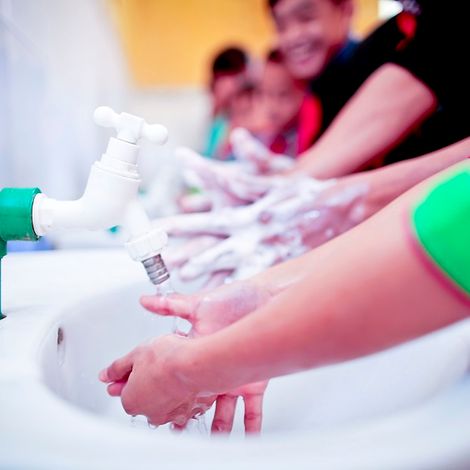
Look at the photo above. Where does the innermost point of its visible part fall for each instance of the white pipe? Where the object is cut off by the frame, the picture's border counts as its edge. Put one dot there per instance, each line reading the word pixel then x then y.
pixel 135 220
pixel 102 205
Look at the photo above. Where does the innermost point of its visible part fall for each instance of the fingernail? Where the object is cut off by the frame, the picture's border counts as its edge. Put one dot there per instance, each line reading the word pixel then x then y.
pixel 103 376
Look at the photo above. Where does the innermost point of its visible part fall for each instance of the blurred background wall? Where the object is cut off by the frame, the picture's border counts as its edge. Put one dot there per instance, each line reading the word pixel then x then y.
pixel 171 43
pixel 58 61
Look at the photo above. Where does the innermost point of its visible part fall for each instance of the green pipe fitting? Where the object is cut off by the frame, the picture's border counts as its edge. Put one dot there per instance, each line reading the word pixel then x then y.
pixel 16 220
pixel 16 214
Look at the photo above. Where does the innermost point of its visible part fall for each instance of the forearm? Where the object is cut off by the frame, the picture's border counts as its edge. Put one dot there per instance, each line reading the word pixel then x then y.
pixel 333 314
pixel 386 184
pixel 384 110
pixel 284 275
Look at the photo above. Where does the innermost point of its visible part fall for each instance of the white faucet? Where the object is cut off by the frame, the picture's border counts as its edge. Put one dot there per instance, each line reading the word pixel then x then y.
pixel 110 196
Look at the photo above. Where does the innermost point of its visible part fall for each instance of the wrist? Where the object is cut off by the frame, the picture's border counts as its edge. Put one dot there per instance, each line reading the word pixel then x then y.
pixel 210 366
pixel 375 193
pixel 194 368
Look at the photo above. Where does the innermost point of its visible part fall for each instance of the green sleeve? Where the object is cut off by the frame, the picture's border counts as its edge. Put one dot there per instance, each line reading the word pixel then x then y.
pixel 441 223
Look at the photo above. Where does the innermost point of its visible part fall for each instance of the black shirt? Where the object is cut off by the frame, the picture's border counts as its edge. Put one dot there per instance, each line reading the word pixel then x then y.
pixel 434 50
pixel 438 56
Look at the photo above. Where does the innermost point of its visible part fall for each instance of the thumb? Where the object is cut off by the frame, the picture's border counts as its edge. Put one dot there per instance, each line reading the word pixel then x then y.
pixel 246 147
pixel 119 370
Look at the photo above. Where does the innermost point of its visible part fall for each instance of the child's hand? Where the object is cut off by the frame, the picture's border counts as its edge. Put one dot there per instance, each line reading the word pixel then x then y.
pixel 147 381
pixel 256 155
pixel 229 183
pixel 210 312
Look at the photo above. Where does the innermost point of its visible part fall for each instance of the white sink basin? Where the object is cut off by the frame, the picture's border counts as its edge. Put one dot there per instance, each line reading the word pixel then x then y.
pixel 408 407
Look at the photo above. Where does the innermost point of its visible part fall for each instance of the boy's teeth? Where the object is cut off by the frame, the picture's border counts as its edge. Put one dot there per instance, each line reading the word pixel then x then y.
pixel 300 51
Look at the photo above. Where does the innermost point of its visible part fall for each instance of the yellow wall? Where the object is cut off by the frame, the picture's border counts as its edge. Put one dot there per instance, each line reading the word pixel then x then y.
pixel 171 42
pixel 367 12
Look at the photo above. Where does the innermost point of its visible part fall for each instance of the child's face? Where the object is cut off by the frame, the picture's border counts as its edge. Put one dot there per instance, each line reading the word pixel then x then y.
pixel 225 88
pixel 310 33
pixel 280 96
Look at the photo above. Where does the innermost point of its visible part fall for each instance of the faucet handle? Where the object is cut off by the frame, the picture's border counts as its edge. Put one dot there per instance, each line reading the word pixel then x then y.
pixel 130 128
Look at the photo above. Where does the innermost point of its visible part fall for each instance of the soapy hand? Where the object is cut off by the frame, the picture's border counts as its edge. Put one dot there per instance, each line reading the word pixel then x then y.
pixel 256 156
pixel 228 183
pixel 285 223
pixel 209 312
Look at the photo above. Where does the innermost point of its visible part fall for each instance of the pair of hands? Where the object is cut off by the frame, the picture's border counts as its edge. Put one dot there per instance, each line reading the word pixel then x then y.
pixel 156 379
pixel 240 242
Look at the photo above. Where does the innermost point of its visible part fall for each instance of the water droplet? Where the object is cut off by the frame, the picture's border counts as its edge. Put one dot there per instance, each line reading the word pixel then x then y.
pixel 201 424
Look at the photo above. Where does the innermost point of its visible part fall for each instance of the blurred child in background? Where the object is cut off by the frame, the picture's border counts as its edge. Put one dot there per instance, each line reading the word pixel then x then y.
pixel 279 101
pixel 230 88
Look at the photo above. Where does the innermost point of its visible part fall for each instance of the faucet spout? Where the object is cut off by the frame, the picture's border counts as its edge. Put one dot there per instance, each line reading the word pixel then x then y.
pixel 110 197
